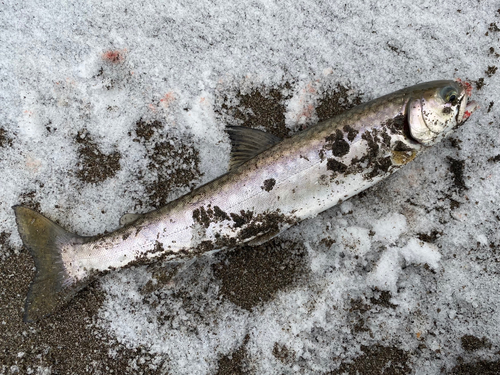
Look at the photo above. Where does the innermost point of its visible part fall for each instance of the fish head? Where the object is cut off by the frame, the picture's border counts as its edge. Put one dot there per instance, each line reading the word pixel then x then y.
pixel 436 108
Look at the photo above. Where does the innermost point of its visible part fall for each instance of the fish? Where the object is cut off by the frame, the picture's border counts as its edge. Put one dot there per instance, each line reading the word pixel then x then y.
pixel 272 184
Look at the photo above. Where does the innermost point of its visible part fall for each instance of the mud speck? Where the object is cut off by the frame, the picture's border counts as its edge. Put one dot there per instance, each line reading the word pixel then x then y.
pixel 233 364
pixel 282 353
pixel 472 343
pixel 479 83
pixel 384 299
pixel 173 162
pixel 491 70
pixel 377 359
pixel 67 342
pixel 268 184
pixel 430 237
pixel 336 102
pixel 253 275
pixel 263 107
pixel 482 367
pixel 490 106
pixel 493 27
pixel 94 166
pixel 30 200
pixel 457 170
pixel 494 159
pixel 4 139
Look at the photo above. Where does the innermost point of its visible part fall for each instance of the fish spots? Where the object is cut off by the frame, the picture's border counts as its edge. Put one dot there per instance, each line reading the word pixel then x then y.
pixel 447 110
pixel 336 166
pixel 219 214
pixel 94 166
pixel 268 184
pixel 267 224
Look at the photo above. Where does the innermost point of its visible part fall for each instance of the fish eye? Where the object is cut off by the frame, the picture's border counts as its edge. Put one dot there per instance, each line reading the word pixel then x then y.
pixel 449 94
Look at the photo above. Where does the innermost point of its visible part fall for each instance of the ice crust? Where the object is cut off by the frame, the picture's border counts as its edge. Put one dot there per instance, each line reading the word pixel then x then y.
pixel 433 245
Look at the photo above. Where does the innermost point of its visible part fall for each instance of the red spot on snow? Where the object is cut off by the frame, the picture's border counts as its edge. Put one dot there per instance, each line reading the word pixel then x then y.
pixel 467 115
pixel 466 85
pixel 169 96
pixel 167 99
pixel 115 57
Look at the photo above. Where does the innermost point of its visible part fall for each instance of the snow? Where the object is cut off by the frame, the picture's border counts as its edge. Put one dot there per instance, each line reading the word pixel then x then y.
pixel 103 67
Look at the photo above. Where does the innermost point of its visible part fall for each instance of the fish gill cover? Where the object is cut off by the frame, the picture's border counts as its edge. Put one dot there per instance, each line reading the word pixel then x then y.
pixel 120 107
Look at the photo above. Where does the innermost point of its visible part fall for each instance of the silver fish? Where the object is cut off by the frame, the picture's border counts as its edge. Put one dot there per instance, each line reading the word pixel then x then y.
pixel 272 184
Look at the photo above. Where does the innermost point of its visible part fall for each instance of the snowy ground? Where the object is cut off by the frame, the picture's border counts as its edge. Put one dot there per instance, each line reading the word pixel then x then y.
pixel 108 109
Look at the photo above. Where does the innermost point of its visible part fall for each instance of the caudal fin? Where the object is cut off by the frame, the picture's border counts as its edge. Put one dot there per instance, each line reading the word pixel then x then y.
pixel 52 287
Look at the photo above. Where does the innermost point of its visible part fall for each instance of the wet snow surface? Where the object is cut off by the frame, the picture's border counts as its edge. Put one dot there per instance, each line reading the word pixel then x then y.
pixel 109 109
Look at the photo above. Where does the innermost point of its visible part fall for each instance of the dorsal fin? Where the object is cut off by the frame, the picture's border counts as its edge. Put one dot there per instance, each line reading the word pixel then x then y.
pixel 247 143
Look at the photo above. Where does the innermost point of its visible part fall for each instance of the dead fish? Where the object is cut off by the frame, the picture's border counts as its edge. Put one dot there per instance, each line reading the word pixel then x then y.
pixel 272 184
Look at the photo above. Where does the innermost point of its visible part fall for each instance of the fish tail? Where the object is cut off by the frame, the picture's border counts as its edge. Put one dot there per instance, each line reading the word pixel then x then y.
pixel 52 287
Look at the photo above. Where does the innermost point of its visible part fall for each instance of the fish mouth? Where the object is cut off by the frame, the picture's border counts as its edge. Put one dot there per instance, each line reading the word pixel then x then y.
pixel 467 108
